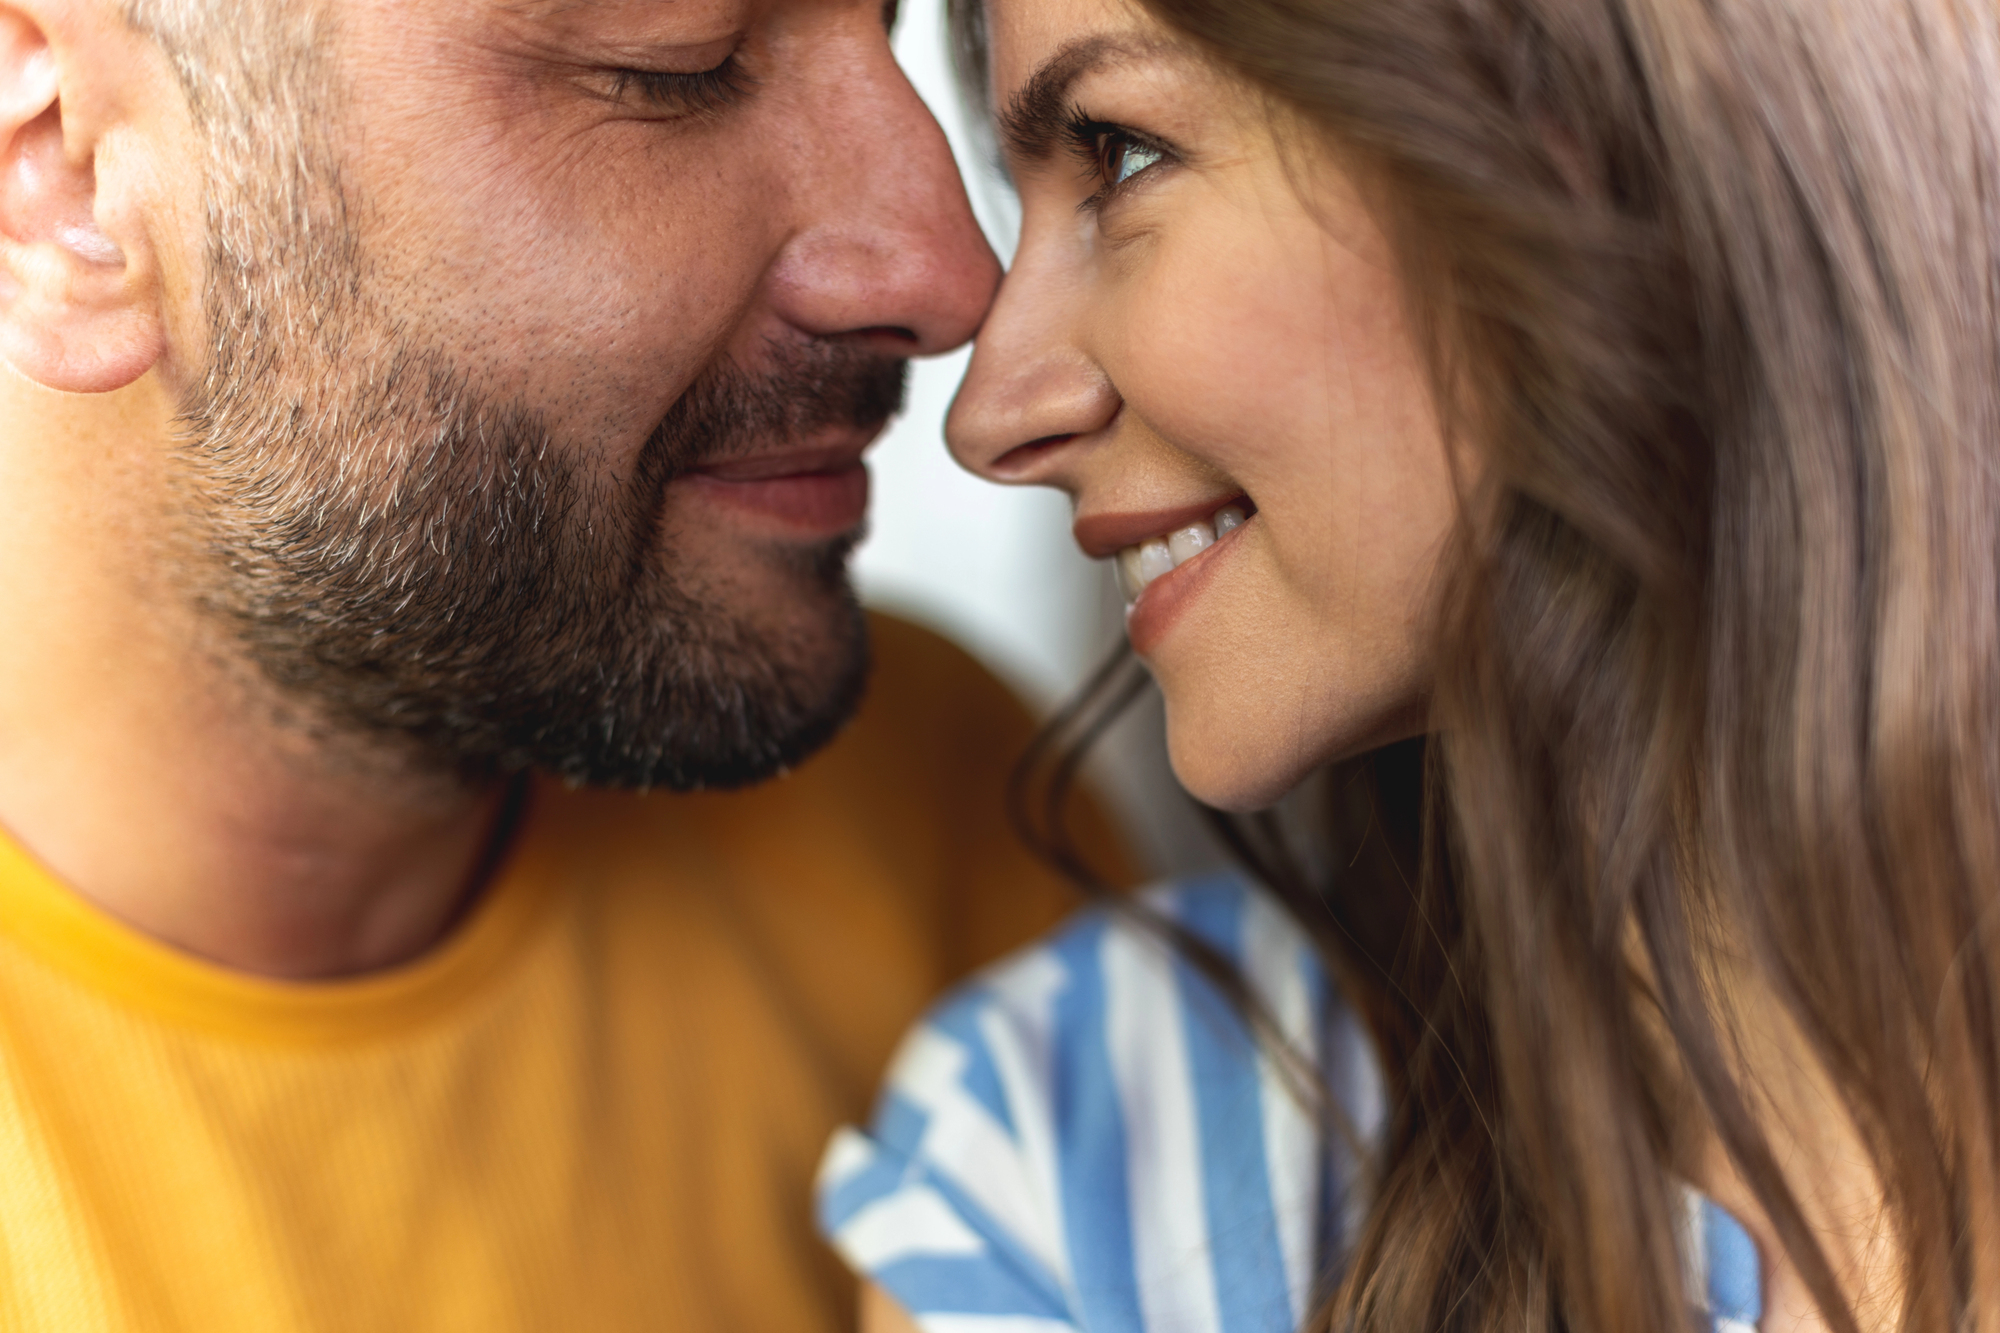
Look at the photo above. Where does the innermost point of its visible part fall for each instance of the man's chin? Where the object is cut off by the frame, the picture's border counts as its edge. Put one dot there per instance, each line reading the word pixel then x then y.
pixel 652 684
pixel 752 696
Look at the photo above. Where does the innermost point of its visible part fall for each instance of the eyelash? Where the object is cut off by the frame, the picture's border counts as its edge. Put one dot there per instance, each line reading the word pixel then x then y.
pixel 1104 149
pixel 701 93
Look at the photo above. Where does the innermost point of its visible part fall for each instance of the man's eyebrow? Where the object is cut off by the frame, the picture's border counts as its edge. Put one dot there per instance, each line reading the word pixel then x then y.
pixel 1036 116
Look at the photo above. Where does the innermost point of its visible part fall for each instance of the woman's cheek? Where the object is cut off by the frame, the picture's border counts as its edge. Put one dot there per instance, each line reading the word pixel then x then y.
pixel 1173 359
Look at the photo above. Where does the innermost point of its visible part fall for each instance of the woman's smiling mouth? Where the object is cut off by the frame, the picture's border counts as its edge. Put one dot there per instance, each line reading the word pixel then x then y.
pixel 1159 557
pixel 1143 562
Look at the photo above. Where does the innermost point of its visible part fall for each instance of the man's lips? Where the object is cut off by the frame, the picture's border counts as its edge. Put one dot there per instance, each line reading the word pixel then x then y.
pixel 803 461
pixel 818 491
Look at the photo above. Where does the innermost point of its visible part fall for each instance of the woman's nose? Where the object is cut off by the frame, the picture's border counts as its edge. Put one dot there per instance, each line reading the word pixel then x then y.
pixel 1032 388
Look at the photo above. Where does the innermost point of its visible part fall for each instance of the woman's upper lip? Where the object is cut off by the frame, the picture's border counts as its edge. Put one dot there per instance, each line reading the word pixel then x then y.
pixel 1102 535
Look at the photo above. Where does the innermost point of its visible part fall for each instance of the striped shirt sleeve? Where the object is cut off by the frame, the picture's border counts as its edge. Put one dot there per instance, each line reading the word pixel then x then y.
pixel 1724 1271
pixel 1087 1137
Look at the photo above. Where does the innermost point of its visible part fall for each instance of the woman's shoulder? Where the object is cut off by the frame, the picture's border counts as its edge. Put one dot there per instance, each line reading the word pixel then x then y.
pixel 1088 1134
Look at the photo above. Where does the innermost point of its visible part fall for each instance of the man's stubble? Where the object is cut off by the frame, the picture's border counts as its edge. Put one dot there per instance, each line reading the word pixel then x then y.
pixel 414 561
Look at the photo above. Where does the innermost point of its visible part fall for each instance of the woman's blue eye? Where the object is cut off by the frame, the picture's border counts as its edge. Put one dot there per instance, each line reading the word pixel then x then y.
pixel 1111 155
pixel 1135 159
pixel 1119 158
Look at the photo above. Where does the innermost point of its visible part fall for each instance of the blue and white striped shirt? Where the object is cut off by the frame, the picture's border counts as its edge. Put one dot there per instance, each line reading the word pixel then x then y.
pixel 1086 1139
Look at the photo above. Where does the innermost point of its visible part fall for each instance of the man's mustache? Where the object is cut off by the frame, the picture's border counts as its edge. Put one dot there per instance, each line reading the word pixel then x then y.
pixel 805 388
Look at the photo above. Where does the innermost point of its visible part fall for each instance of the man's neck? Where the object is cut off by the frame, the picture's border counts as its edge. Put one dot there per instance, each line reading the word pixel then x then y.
pixel 155 774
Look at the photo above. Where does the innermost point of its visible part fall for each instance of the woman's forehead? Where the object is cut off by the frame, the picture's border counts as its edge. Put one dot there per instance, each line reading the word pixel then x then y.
pixel 1027 35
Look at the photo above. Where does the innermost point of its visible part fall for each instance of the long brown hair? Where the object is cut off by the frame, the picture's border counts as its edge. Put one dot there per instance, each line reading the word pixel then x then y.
pixel 1712 290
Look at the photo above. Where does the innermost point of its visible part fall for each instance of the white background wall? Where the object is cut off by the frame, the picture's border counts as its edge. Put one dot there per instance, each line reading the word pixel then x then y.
pixel 992 567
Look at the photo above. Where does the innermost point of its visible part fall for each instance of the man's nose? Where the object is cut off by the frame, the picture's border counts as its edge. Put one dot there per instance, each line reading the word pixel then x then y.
pixel 886 243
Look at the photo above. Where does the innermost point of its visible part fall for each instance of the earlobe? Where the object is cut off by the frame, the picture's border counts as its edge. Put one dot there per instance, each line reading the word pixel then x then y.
pixel 77 311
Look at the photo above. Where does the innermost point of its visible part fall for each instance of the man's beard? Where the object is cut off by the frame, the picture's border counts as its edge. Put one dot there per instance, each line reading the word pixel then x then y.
pixel 413 562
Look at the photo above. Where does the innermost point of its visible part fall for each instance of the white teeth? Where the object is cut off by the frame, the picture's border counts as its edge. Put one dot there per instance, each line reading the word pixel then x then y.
pixel 1129 581
pixel 1190 541
pixel 1140 565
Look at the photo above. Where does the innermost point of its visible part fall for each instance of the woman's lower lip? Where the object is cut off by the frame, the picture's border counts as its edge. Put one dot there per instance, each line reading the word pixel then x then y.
pixel 823 504
pixel 1162 602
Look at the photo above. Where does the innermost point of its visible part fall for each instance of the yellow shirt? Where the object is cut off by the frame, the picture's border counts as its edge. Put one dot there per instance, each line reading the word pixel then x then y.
pixel 597 1106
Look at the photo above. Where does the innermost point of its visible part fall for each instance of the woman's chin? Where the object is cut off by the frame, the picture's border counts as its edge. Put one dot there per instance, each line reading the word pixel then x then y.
pixel 1235 765
pixel 1233 774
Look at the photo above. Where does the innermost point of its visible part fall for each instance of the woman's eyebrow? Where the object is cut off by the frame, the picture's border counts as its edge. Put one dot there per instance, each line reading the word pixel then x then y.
pixel 1036 116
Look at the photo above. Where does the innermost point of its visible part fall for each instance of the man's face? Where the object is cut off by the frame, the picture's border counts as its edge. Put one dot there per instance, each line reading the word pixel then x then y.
pixel 539 344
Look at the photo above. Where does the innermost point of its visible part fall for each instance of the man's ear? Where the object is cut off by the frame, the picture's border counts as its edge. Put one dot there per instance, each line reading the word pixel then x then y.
pixel 77 311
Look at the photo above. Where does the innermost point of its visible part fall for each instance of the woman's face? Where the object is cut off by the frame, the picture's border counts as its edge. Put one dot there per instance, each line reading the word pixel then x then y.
pixel 1203 321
